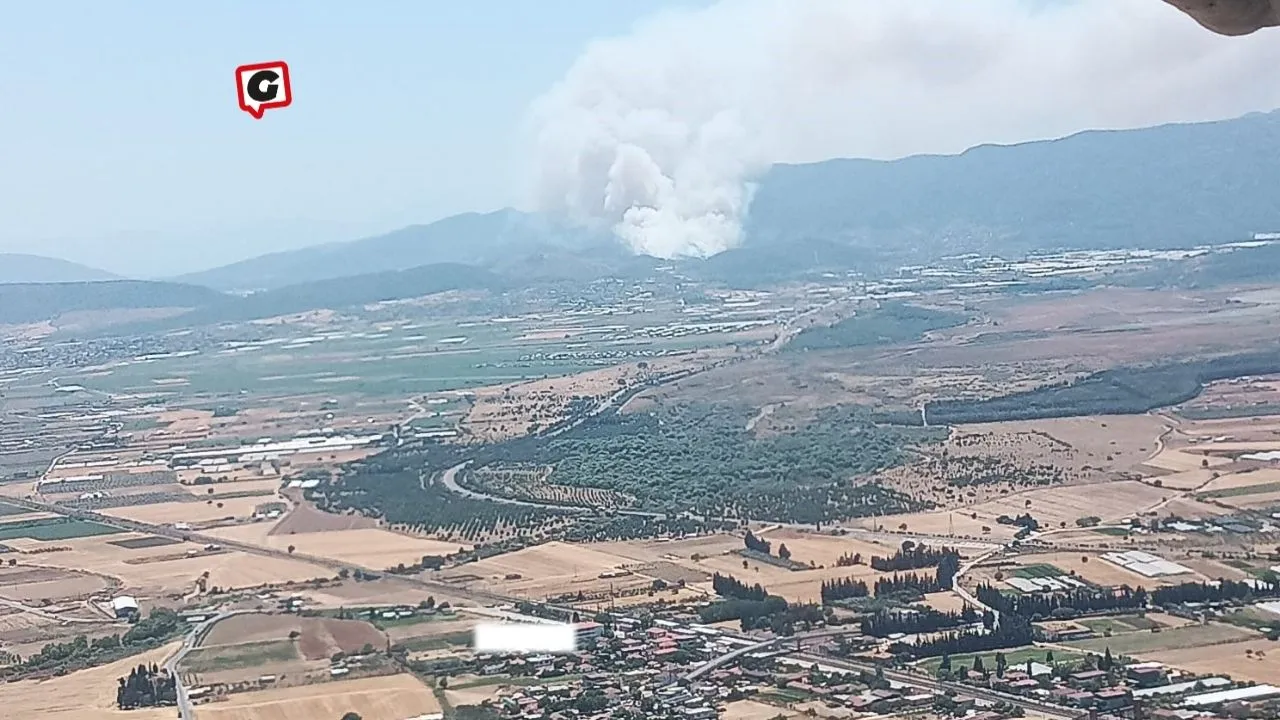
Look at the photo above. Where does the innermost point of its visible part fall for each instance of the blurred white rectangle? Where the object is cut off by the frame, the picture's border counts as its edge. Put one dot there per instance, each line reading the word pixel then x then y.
pixel 524 638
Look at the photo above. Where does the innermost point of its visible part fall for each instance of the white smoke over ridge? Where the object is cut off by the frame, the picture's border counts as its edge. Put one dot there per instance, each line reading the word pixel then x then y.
pixel 657 134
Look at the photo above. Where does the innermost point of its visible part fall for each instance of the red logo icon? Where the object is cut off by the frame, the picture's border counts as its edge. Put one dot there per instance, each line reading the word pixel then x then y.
pixel 263 86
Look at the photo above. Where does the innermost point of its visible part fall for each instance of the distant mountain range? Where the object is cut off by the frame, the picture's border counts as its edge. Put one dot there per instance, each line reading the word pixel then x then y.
pixel 1168 186
pixel 16 268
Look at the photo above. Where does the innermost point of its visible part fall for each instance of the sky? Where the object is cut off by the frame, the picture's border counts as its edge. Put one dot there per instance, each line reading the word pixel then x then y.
pixel 122 146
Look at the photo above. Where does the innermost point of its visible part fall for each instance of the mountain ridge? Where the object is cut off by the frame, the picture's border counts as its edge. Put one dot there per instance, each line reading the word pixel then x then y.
pixel 28 268
pixel 1170 185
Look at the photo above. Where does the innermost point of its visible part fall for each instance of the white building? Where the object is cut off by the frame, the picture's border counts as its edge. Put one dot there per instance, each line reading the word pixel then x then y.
pixel 124 606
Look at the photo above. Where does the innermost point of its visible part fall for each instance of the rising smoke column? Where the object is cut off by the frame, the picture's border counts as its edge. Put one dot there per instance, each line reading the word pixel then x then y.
pixel 658 134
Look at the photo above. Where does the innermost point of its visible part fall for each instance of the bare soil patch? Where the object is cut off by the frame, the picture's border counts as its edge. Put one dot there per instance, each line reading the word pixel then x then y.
pixel 754 710
pixel 391 697
pixel 142 575
pixel 306 518
pixel 319 637
pixel 188 512
pixel 1256 660
pixel 369 547
pixel 1053 507
pixel 825 550
pixel 139 543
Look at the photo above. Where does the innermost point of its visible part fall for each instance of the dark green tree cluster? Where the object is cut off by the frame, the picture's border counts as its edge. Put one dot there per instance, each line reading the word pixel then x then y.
pixel 912 557
pixel 911 621
pixel 847 560
pixel 1223 591
pixel 731 587
pixel 759 545
pixel 834 590
pixel 699 458
pixel 907 584
pixel 891 322
pixel 1013 631
pixel 1118 391
pixel 399 497
pixel 146 687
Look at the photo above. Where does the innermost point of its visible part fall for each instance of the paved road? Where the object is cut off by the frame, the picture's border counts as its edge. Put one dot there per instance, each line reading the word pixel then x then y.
pixel 190 642
pixel 449 478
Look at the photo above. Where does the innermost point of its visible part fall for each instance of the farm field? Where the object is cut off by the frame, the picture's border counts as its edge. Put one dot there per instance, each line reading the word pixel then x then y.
pixel 945 601
pixel 1182 480
pixel 549 569
pixel 306 518
pixel 83 695
pixel 191 512
pixel 755 710
pixel 390 697
pixel 386 590
pixel 1268 496
pixel 369 547
pixel 1052 506
pixel 319 637
pixel 1181 460
pixel 36 584
pixel 825 550
pixel 154 571
pixel 1257 660
pixel 1241 481
pixel 1178 638
pixel 53 528
pixel 1018 656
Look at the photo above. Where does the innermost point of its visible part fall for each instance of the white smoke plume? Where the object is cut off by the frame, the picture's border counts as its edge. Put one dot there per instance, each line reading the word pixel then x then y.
pixel 659 133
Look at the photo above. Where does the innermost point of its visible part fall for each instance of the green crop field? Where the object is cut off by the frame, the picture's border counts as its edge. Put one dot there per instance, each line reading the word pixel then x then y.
pixel 6 509
pixel 1168 639
pixel 1258 489
pixel 59 528
pixel 1122 624
pixel 1013 658
pixel 245 655
pixel 1038 570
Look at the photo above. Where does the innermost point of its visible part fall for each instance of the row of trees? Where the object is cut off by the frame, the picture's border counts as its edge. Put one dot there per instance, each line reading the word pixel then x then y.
pixel 907 584
pixel 912 557
pixel 731 587
pixel 1224 591
pixel 922 620
pixel 1013 631
pixel 834 590
pixel 1057 604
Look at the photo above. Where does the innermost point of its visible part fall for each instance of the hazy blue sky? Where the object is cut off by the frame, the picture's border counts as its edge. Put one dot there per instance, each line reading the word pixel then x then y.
pixel 121 144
